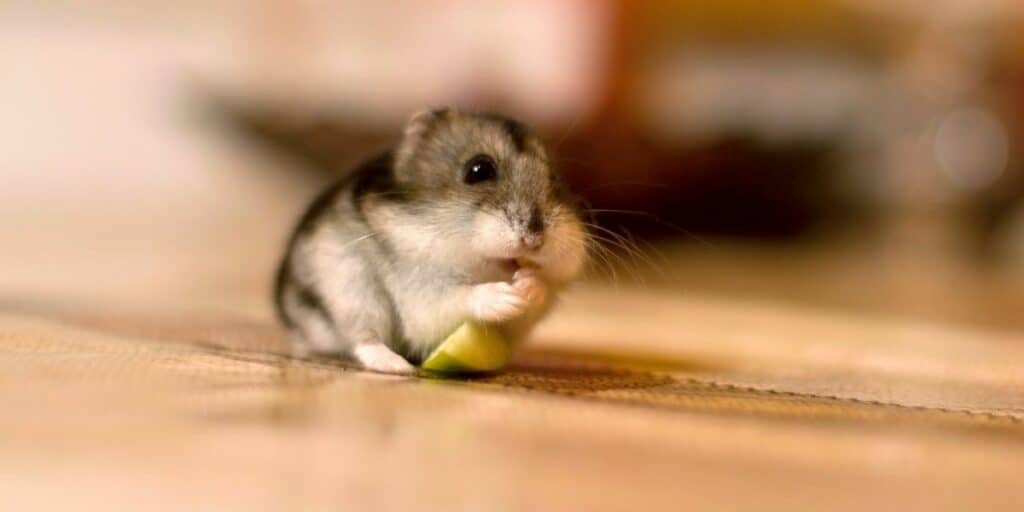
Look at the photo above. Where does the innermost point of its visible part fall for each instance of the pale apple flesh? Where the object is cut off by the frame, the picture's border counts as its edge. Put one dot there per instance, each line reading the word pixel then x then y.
pixel 473 348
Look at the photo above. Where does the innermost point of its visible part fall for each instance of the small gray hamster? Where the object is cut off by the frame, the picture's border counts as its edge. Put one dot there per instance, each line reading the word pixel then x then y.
pixel 465 218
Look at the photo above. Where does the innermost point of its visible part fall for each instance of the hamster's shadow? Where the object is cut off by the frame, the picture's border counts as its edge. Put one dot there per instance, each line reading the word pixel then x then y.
pixel 575 372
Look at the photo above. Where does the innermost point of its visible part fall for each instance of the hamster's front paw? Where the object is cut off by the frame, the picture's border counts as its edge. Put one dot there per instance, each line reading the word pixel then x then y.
pixel 497 302
pixel 379 358
pixel 527 280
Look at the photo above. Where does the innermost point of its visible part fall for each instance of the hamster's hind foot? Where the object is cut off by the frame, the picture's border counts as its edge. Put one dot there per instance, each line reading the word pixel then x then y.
pixel 379 358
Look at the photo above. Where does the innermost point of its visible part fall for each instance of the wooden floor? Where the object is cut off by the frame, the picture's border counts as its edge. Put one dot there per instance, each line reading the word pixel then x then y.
pixel 628 399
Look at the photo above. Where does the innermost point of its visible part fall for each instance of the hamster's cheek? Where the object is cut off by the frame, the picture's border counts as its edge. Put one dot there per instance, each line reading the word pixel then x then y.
pixel 491 237
pixel 565 251
pixel 412 238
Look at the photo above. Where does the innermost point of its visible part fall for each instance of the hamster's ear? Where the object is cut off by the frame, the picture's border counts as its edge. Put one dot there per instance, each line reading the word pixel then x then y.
pixel 418 128
pixel 424 121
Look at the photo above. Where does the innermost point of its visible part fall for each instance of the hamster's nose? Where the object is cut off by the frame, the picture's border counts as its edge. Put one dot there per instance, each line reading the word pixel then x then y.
pixel 528 224
pixel 533 234
pixel 531 241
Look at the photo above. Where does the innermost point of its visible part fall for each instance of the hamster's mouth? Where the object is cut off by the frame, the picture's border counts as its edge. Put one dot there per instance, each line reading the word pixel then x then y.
pixel 510 265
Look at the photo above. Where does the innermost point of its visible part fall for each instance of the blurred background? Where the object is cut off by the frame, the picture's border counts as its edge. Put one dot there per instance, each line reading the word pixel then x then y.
pixel 857 156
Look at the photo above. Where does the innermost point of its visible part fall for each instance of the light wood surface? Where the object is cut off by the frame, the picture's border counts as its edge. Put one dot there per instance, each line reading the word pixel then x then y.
pixel 627 399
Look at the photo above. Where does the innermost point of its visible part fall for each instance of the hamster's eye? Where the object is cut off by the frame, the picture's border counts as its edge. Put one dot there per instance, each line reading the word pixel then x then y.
pixel 480 168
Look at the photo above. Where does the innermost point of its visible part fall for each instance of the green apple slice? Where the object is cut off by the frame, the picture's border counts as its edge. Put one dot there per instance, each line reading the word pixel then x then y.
pixel 473 347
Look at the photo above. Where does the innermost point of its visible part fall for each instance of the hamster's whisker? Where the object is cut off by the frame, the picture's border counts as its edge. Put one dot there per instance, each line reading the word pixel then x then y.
pixel 635 251
pixel 614 258
pixel 652 256
pixel 637 257
pixel 602 256
pixel 657 220
pixel 601 260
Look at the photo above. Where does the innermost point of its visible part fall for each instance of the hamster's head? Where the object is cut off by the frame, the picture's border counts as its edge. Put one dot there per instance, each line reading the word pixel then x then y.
pixel 485 194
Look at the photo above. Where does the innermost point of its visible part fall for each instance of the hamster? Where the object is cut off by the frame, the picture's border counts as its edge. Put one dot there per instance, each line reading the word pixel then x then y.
pixel 465 218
